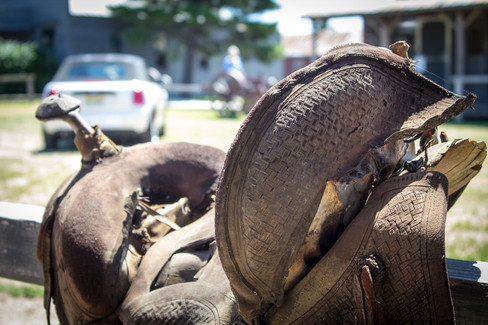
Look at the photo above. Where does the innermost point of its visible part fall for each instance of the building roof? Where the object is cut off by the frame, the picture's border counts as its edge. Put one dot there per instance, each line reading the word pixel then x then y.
pixel 392 7
pixel 97 8
pixel 301 46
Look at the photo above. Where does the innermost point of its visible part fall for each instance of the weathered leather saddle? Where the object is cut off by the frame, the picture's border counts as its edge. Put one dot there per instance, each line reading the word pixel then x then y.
pixel 130 237
pixel 316 218
pixel 95 232
pixel 300 170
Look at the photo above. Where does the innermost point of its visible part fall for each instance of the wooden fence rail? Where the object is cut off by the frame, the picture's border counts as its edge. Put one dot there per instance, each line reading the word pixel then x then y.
pixel 27 78
pixel 20 223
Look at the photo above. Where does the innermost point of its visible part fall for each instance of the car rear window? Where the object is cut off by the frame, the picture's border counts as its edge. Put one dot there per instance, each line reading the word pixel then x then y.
pixel 96 71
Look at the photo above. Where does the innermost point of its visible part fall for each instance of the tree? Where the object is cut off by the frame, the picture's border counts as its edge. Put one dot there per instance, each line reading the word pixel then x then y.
pixel 195 23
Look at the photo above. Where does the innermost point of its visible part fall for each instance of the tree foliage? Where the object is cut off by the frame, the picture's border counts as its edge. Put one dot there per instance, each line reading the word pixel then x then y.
pixel 26 57
pixel 204 26
pixel 16 57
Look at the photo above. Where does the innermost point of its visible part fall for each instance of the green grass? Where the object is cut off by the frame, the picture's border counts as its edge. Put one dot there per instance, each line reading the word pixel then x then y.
pixel 22 291
pixel 11 173
pixel 469 226
pixel 467 231
pixel 18 178
pixel 19 116
pixel 470 249
pixel 475 130
pixel 202 127
pixel 8 171
pixel 19 104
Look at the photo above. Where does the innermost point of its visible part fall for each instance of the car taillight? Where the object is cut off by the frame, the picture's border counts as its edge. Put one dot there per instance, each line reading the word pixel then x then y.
pixel 138 97
pixel 53 92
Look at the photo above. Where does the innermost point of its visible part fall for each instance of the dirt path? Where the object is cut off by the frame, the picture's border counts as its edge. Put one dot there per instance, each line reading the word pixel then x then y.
pixel 33 172
pixel 20 311
pixel 23 152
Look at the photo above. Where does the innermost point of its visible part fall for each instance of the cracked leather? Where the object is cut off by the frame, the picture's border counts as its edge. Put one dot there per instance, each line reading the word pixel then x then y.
pixel 86 228
pixel 311 128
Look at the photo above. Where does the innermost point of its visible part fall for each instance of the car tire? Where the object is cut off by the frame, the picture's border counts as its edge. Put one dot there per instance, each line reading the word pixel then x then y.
pixel 152 134
pixel 50 141
pixel 162 129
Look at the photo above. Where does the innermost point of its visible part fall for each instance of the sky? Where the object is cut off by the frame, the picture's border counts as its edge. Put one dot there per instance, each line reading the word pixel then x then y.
pixel 288 17
pixel 291 22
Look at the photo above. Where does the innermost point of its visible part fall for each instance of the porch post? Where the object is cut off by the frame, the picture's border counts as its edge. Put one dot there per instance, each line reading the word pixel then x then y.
pixel 317 25
pixel 384 32
pixel 460 50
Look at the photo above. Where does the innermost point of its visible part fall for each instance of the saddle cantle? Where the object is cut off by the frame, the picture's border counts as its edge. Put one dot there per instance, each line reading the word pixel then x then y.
pixel 313 127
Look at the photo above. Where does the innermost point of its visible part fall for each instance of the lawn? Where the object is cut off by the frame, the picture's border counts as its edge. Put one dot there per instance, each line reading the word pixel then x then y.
pixel 18 116
pixel 467 221
pixel 28 174
pixel 202 127
pixel 196 126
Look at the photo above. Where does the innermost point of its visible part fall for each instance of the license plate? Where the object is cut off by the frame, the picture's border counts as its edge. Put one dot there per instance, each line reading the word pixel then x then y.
pixel 94 98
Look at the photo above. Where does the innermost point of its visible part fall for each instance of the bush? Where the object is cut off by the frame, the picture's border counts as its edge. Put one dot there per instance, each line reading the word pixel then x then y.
pixel 18 57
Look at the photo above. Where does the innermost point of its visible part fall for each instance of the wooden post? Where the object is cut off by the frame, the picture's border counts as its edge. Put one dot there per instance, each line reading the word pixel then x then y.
pixel 460 45
pixel 29 85
pixel 19 229
pixel 469 290
pixel 459 48
pixel 27 78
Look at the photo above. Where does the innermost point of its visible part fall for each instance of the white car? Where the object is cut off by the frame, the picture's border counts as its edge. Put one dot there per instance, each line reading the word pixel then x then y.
pixel 117 92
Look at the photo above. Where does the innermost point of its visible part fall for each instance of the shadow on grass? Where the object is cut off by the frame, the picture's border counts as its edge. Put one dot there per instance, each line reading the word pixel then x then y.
pixel 67 145
pixel 477 123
